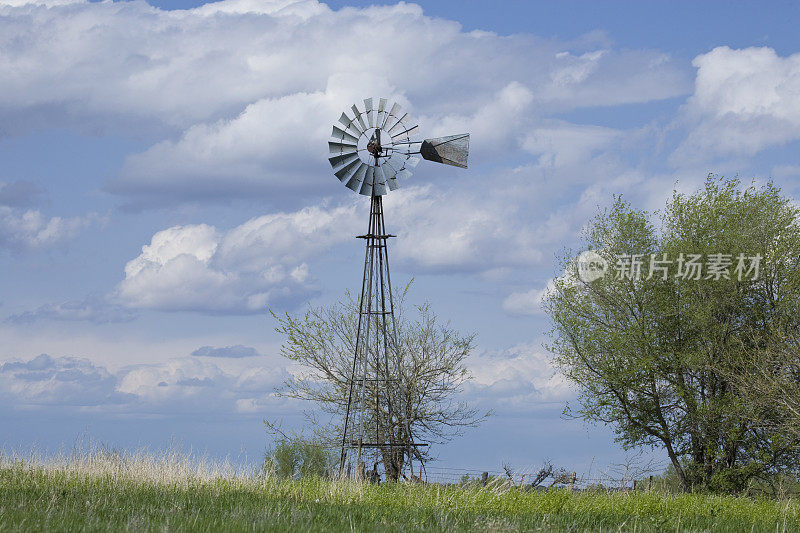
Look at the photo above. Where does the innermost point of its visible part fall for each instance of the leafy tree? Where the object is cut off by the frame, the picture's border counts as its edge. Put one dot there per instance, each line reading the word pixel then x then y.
pixel 433 367
pixel 662 358
pixel 769 382
pixel 296 457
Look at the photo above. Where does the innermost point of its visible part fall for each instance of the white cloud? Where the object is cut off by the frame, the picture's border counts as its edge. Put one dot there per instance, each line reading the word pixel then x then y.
pixel 246 91
pixel 236 351
pixel 177 378
pixel 274 147
pixel 495 125
pixel 527 303
pixel 744 101
pixel 176 386
pixel 26 229
pixel 94 308
pixel 563 144
pixel 45 380
pixel 302 9
pixel 522 377
pixel 244 270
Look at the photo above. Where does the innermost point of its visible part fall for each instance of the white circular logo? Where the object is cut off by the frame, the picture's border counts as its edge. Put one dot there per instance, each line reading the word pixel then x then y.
pixel 591 266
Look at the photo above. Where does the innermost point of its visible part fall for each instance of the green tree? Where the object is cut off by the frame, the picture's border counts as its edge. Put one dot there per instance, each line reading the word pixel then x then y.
pixel 433 365
pixel 295 457
pixel 662 358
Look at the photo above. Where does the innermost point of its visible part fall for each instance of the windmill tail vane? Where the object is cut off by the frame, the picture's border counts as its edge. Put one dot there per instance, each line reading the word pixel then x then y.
pixel 371 153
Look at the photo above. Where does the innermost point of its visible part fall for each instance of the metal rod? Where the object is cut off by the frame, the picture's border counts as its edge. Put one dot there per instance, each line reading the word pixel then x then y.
pixel 355 355
pixel 403 389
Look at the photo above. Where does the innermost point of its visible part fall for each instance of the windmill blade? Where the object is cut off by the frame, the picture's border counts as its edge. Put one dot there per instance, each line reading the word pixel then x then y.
pixel 397 126
pixel 379 187
pixel 393 114
pixel 359 118
pixel 388 171
pixel 339 160
pixel 369 112
pixel 390 175
pixel 452 150
pixel 350 125
pixel 354 183
pixel 346 172
pixel 398 160
pixel 369 178
pixel 405 134
pixel 381 112
pixel 339 134
pixel 335 147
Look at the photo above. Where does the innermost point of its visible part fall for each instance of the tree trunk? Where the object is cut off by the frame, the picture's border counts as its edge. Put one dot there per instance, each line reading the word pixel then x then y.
pixel 393 462
pixel 676 464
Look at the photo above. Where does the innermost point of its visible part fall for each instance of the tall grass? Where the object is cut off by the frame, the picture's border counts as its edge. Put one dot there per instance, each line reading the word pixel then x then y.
pixel 118 491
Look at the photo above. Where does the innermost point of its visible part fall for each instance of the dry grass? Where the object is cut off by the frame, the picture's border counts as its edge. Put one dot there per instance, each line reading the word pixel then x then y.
pixel 117 491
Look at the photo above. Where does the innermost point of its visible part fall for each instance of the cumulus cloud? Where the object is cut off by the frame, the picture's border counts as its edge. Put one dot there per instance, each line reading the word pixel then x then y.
pixel 190 384
pixel 563 144
pixel 467 224
pixel 239 95
pixel 30 229
pixel 519 378
pixel 744 101
pixel 236 351
pixel 46 380
pixel 274 148
pixel 94 308
pixel 257 264
pixel 527 303
pixel 444 230
pixel 173 387
pixel 184 65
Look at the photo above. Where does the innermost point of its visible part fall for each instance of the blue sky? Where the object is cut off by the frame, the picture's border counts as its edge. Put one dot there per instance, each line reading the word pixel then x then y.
pixel 160 166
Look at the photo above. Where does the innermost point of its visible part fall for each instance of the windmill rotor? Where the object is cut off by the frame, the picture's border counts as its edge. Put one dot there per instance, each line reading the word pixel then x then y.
pixel 373 148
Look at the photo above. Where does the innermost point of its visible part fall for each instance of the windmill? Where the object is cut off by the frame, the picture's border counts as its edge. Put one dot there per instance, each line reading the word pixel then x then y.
pixel 371 153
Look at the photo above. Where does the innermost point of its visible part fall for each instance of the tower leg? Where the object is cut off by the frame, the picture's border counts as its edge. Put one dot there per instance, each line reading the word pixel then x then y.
pixel 376 412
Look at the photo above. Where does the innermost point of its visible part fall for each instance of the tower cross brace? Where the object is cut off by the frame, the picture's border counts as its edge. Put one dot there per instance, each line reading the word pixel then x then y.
pixel 376 417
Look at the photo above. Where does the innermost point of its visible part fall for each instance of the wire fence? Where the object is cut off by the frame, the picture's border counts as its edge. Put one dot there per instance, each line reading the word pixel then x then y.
pixel 543 478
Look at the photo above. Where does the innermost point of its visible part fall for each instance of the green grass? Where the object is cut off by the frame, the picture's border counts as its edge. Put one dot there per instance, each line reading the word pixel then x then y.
pixel 141 493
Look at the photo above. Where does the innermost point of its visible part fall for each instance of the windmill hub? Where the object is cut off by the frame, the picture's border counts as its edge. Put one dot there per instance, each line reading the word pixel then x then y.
pixel 370 146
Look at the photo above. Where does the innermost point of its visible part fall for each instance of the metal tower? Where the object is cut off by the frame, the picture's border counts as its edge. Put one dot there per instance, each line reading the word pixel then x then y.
pixel 376 416
pixel 369 152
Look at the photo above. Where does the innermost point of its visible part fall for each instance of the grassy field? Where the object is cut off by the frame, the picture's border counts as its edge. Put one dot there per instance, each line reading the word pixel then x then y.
pixel 115 492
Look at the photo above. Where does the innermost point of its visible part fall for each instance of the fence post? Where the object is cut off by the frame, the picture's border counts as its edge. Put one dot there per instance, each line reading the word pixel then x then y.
pixel 634 485
pixel 572 481
pixel 650 484
pixel 484 478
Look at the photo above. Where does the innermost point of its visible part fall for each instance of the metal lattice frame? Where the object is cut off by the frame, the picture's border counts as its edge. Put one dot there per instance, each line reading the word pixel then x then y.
pixel 369 153
pixel 377 359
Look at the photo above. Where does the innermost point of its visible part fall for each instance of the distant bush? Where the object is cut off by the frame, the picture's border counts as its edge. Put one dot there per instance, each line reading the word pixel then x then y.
pixel 297 457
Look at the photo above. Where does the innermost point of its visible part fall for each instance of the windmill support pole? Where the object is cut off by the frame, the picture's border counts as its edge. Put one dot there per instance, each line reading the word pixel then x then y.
pixel 355 358
pixel 376 345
